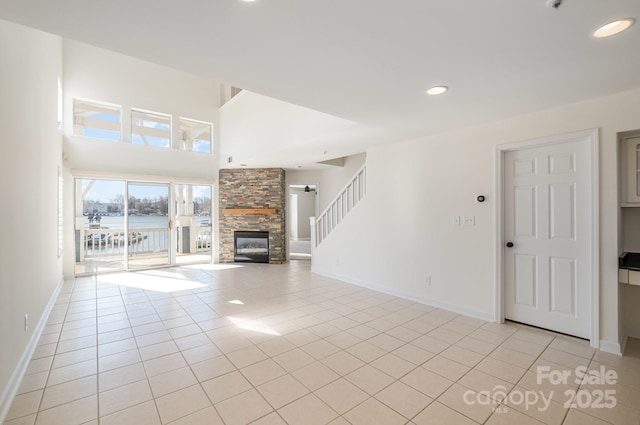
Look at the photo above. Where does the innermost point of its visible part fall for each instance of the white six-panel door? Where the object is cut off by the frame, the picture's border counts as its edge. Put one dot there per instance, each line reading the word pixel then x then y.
pixel 548 219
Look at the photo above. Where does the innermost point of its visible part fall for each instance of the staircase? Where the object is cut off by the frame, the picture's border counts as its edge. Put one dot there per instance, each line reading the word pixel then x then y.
pixel 339 208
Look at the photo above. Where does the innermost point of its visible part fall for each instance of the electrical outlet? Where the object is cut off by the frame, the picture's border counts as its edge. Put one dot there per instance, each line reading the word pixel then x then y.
pixel 427 280
pixel 469 220
pixel 26 322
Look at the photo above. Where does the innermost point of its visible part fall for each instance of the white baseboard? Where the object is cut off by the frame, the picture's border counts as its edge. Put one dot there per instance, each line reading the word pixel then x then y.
pixel 410 296
pixel 612 347
pixel 9 392
pixel 625 339
pixel 608 346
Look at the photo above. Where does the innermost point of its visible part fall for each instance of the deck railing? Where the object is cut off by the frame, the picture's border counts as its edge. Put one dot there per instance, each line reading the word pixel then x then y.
pixel 347 198
pixel 106 242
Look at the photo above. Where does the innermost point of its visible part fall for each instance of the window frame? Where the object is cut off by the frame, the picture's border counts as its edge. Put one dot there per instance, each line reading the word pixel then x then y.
pixel 105 105
pixel 182 141
pixel 169 118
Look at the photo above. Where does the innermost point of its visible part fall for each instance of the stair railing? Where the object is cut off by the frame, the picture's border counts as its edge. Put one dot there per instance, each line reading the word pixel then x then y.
pixel 342 205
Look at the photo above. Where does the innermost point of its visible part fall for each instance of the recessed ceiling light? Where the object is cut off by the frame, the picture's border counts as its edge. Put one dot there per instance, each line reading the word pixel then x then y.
pixel 436 90
pixel 612 28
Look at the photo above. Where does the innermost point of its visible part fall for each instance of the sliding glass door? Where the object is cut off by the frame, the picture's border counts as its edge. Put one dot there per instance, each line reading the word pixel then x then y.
pixel 160 224
pixel 99 226
pixel 148 225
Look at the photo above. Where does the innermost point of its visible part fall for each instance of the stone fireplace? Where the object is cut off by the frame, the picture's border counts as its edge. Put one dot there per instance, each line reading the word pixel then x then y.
pixel 252 200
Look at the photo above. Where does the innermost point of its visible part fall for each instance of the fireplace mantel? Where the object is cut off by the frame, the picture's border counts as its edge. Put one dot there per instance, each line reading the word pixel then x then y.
pixel 249 211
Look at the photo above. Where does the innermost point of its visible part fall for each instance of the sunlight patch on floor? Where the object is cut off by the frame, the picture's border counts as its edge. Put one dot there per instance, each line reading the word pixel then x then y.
pixel 156 281
pixel 212 266
pixel 253 325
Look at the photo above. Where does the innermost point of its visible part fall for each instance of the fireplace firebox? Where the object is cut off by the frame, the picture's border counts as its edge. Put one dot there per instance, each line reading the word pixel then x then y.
pixel 251 247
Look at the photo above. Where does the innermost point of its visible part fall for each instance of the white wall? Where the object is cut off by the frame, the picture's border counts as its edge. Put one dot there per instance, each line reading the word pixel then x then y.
pixel 292 216
pixel 97 74
pixel 30 153
pixel 303 177
pixel 255 127
pixel 402 230
pixel 630 300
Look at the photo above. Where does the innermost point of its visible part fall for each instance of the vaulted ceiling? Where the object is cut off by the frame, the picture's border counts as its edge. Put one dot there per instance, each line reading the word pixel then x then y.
pixel 370 61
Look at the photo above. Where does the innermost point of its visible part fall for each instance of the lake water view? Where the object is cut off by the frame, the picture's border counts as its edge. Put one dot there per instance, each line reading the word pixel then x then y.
pixel 141 221
pixel 109 238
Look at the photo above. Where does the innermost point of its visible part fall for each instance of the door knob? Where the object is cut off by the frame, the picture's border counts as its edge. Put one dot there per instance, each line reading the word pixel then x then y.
pixel 509 244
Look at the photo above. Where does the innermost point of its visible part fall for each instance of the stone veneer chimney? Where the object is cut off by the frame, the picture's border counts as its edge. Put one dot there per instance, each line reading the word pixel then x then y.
pixel 250 189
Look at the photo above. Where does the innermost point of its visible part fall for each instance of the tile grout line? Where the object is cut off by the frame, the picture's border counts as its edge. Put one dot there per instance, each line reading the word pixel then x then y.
pixel 97 352
pixel 501 402
pixel 374 305
pixel 135 340
pixel 68 305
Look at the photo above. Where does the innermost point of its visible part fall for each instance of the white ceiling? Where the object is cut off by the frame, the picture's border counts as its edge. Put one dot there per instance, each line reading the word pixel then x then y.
pixel 370 61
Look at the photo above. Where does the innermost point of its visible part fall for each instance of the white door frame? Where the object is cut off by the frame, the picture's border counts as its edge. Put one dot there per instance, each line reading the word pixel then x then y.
pixel 591 138
pixel 290 211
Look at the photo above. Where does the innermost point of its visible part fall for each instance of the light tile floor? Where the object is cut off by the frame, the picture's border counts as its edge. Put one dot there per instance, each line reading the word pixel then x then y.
pixel 275 344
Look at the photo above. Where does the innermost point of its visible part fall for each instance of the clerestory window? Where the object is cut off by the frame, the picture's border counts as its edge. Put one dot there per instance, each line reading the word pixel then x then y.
pixel 100 120
pixel 150 129
pixel 195 136
pixel 97 120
